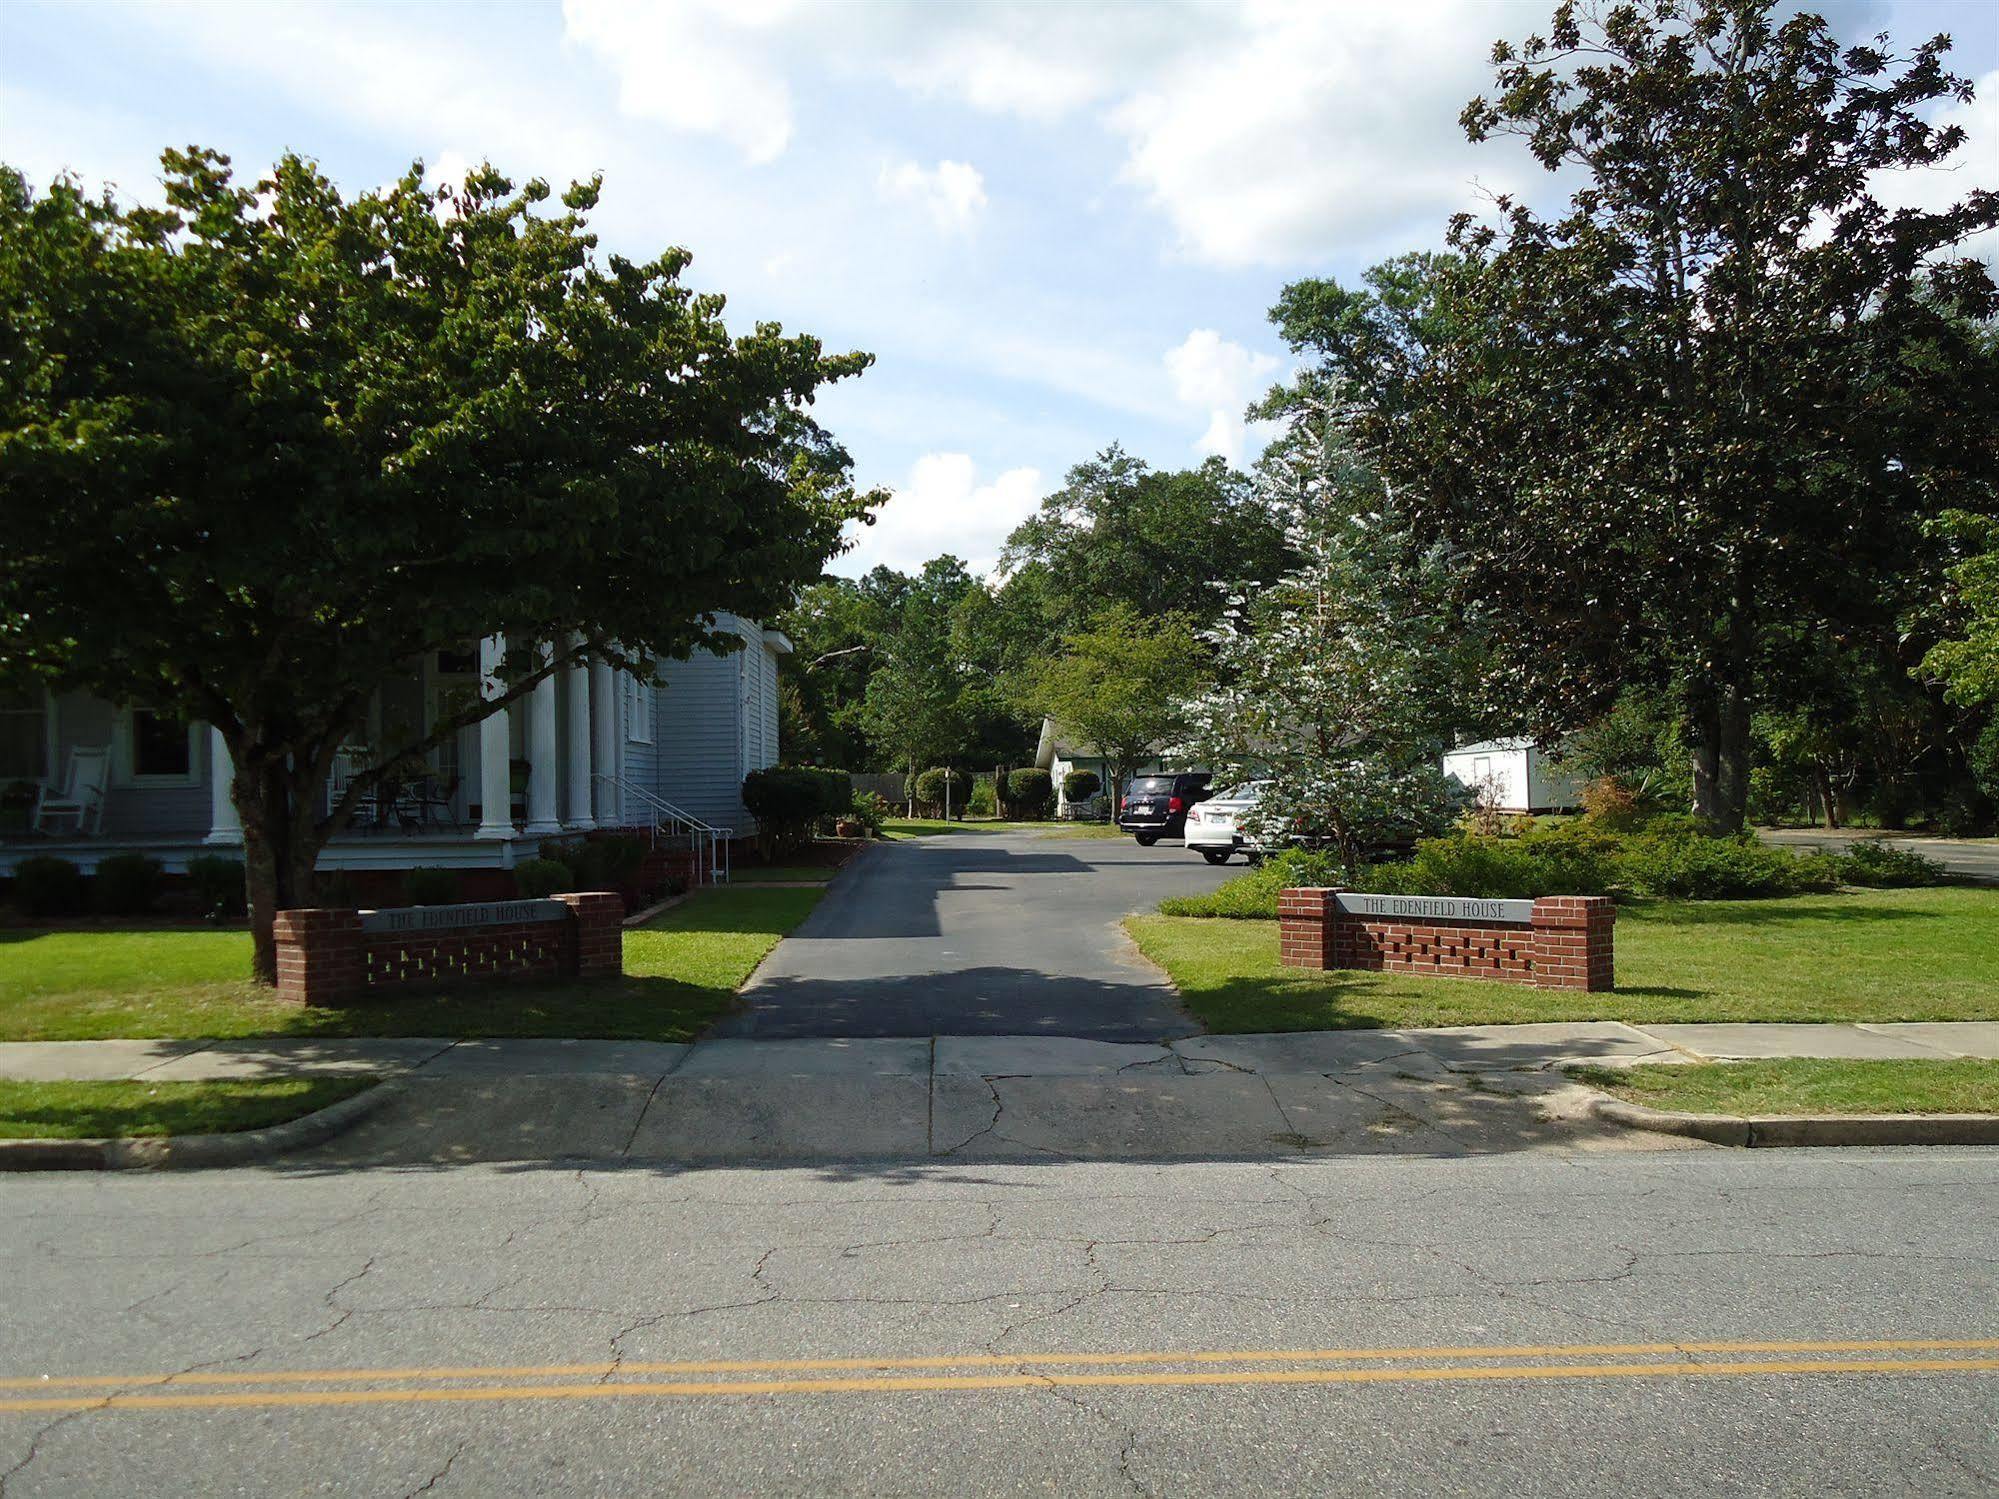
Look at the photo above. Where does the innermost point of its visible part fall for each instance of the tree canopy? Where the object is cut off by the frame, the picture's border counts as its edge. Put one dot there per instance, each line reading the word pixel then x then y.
pixel 262 449
pixel 1703 413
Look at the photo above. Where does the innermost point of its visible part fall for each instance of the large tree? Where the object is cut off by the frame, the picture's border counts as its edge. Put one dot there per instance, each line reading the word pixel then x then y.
pixel 264 448
pixel 1711 404
pixel 1159 541
pixel 1121 684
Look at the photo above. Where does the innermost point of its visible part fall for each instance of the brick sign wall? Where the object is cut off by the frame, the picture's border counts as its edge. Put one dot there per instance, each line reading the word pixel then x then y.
pixel 328 956
pixel 1556 942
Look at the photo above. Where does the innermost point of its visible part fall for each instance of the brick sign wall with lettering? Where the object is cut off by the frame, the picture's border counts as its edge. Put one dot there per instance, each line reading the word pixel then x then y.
pixel 1555 942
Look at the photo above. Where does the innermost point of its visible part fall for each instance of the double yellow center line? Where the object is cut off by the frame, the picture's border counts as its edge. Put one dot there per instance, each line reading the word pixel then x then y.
pixel 947 1372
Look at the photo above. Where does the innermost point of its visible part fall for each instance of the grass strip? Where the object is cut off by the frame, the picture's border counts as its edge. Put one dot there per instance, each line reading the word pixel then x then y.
pixel 128 1110
pixel 1807 1085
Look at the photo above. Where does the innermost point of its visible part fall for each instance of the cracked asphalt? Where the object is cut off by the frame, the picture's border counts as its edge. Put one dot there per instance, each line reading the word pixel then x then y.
pixel 1515 1323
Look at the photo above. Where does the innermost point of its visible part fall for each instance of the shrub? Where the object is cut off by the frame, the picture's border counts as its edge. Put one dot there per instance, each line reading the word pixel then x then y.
pixel 1081 785
pixel 1882 864
pixel 126 884
pixel 335 889
pixel 982 802
pixel 1030 792
pixel 217 883
pixel 930 788
pixel 1473 864
pixel 47 886
pixel 787 801
pixel 536 878
pixel 1610 804
pixel 431 887
pixel 1678 865
pixel 871 809
pixel 608 863
pixel 1253 894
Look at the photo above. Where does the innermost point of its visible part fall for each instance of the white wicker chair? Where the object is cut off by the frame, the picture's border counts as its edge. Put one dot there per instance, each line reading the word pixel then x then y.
pixel 82 793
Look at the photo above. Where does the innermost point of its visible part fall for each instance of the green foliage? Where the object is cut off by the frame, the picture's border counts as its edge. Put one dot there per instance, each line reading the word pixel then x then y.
pixel 1498 868
pixel 871 809
pixel 1667 434
pixel 1121 535
pixel 536 878
pixel 432 887
pixel 218 888
pixel 788 802
pixel 1691 866
pixel 1081 785
pixel 1883 865
pixel 126 884
pixel 980 801
pixel 608 863
pixel 1029 792
pixel 1121 684
pixel 433 384
pixel 1252 895
pixel 47 886
pixel 931 785
pixel 1969 663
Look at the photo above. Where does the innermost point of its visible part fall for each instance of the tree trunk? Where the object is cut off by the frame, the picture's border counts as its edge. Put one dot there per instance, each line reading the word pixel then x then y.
pixel 279 851
pixel 1828 798
pixel 1720 726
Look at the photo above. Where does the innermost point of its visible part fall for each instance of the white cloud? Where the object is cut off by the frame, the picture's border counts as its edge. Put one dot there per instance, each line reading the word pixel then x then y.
pixel 1975 164
pixel 702 67
pixel 954 192
pixel 1220 377
pixel 943 508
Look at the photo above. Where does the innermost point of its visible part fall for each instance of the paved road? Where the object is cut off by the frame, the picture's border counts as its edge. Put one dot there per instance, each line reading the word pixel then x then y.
pixel 1517 1325
pixel 1976 858
pixel 980 934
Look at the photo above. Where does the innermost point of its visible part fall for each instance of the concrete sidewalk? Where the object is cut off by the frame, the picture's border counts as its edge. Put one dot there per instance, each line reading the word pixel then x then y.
pixel 1457 1049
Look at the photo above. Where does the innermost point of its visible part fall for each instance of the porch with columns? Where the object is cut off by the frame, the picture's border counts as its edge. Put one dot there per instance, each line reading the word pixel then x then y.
pixel 568 727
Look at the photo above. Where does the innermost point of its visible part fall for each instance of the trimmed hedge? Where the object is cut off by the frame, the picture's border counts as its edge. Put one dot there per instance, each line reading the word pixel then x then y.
pixel 218 886
pixel 1081 785
pixel 1030 792
pixel 431 887
pixel 788 801
pixel 930 789
pixel 126 884
pixel 538 878
pixel 47 886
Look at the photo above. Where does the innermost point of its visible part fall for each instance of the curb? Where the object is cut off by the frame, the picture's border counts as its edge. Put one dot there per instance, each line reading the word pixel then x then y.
pixel 1805 1129
pixel 173 1152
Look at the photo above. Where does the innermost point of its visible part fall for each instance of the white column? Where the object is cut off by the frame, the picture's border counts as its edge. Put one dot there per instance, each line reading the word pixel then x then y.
pixel 604 741
pixel 496 818
pixel 544 762
pixel 224 826
pixel 579 819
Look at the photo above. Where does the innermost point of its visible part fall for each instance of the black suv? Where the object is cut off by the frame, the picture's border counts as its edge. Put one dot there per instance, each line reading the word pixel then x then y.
pixel 1155 807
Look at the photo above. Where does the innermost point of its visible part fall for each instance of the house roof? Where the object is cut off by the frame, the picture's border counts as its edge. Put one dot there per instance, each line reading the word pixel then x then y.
pixel 1492 747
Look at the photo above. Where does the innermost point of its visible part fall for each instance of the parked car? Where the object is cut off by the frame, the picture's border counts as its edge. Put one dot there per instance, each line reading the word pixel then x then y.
pixel 1214 828
pixel 1155 807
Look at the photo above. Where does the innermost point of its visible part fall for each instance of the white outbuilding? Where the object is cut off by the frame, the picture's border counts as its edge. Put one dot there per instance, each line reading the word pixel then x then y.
pixel 1522 777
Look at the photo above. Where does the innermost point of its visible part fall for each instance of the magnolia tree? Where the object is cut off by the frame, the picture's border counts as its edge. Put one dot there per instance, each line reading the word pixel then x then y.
pixel 1326 678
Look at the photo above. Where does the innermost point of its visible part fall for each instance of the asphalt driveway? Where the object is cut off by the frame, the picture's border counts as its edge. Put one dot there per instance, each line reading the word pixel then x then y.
pixel 979 934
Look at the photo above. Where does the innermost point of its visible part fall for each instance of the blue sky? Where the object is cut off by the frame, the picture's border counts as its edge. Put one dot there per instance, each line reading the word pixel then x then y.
pixel 1056 226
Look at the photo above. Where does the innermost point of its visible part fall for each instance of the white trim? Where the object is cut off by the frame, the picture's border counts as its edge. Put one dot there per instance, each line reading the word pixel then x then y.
pixel 639 726
pixel 123 772
pixel 50 744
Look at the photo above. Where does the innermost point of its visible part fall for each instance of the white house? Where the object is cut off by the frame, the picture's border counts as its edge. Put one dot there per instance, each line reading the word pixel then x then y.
pixel 1059 751
pixel 1523 777
pixel 589 748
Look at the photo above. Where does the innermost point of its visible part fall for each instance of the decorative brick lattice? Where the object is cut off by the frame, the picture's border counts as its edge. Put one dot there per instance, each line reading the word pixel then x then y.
pixel 1566 945
pixel 331 956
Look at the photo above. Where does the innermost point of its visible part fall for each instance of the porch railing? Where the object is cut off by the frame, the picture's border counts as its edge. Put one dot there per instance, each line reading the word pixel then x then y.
pixel 709 844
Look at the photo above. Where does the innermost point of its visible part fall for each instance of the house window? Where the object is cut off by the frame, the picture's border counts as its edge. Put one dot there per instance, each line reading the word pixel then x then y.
pixel 157 749
pixel 24 736
pixel 638 711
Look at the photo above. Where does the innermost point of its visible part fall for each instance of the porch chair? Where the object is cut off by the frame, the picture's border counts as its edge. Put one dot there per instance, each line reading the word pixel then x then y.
pixel 82 794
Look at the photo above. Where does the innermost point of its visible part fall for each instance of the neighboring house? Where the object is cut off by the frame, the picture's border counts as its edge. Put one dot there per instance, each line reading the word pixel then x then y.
pixel 1059 752
pixel 1521 776
pixel 590 748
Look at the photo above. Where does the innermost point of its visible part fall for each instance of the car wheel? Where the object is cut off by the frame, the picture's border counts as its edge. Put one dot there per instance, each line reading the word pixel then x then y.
pixel 1146 840
pixel 1253 857
pixel 1215 855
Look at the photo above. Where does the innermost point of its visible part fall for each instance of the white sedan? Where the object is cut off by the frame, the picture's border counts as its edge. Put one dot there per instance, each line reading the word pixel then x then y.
pixel 1213 827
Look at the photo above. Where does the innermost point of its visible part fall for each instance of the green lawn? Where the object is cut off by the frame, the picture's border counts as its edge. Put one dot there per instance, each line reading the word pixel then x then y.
pixel 681 971
pixel 756 874
pixel 86 1111
pixel 1807 1085
pixel 1927 954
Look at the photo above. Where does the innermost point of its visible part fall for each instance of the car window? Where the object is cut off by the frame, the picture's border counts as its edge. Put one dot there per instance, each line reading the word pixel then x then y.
pixel 1153 783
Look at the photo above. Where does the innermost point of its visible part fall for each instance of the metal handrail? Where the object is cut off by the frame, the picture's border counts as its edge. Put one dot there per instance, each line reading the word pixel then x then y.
pixel 669 818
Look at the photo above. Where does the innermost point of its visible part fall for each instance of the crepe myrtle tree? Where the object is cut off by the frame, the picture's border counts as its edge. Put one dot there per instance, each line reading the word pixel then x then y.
pixel 263 449
pixel 1706 407
pixel 1329 681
